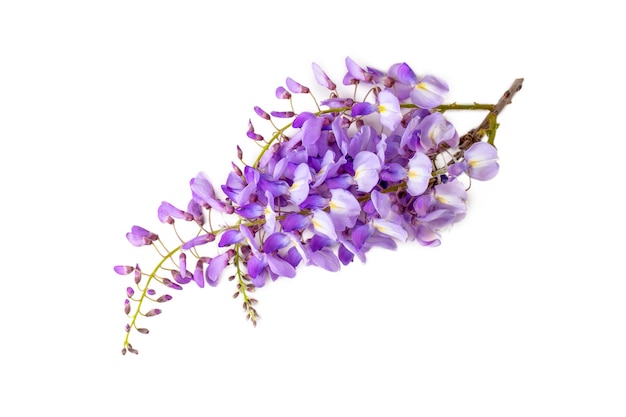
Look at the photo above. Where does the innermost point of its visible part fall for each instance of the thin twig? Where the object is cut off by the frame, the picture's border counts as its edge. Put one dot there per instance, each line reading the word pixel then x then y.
pixel 476 134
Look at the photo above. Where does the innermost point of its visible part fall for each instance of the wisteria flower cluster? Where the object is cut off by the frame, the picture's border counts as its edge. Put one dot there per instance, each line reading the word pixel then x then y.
pixel 370 168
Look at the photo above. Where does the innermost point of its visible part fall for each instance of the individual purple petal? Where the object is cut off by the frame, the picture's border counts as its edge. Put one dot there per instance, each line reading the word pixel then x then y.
pixel 199 240
pixel 452 195
pixel 296 87
pixel 323 224
pixel 256 265
pixel 435 129
pixel 293 256
pixel 216 266
pixel 363 109
pixel 276 241
pixel 429 92
pixel 325 258
pixel 249 235
pixel 439 218
pixel 295 221
pixel 344 255
pixel 458 168
pixel 427 237
pixel 482 161
pixel 381 202
pixel 349 245
pixel 389 109
pixel 250 211
pixel 311 130
pixel 314 201
pixel 301 118
pixel 390 229
pixel 344 208
pixel 275 188
pixel 404 74
pixel 366 168
pixel 380 241
pixel 364 140
pixel 318 242
pixel 270 215
pixel 419 174
pixel 230 237
pixel 393 172
pixel 280 267
pixel 322 78
pixel 341 181
pixel 259 280
pixel 299 190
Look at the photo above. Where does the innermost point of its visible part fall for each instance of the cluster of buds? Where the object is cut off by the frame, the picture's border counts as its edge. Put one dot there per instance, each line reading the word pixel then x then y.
pixel 379 167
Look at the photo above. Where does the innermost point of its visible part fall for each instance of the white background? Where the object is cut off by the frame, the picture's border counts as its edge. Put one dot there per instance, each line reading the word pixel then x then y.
pixel 108 108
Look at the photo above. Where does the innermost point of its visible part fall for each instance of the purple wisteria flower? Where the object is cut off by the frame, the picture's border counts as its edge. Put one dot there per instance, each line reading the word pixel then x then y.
pixel 367 168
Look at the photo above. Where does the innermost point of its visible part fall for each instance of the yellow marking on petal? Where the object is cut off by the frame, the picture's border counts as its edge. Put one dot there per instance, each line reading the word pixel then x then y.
pixel 382 109
pixel 380 228
pixel 333 205
pixel 413 174
pixel 441 199
pixel 421 86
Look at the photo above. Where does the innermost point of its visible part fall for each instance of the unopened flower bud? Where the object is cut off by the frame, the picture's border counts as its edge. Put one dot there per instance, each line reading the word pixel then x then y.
pixel 283 114
pixel 153 312
pixel 143 330
pixel 259 111
pixel 282 93
pixel 123 269
pixel 137 274
pixel 296 87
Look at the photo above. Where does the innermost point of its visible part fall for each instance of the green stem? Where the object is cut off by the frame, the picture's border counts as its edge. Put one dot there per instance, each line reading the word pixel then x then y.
pixel 145 289
pixel 243 286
